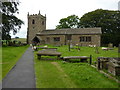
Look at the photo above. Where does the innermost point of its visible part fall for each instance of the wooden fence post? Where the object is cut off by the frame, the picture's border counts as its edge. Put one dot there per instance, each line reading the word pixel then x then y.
pixel 98 63
pixel 90 59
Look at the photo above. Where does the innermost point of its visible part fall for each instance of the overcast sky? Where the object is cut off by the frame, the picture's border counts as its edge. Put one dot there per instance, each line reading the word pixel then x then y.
pixel 58 9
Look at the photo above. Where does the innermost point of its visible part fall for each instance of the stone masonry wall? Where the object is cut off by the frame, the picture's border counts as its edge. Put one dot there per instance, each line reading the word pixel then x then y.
pixel 95 40
pixel 40 25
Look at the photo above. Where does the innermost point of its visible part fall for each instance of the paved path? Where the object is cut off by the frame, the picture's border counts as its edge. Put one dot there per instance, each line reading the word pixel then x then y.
pixel 22 75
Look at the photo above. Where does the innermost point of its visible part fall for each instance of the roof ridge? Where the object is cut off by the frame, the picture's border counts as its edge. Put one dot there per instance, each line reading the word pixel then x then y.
pixel 72 31
pixel 74 28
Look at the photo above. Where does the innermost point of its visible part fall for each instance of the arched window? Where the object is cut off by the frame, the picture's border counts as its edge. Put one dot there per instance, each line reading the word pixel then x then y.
pixel 33 21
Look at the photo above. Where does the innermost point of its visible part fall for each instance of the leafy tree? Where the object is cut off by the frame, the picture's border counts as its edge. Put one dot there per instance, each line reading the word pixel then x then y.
pixel 108 20
pixel 9 21
pixel 72 21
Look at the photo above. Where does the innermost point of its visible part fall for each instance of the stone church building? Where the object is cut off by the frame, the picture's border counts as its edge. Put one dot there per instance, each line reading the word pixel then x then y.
pixel 37 33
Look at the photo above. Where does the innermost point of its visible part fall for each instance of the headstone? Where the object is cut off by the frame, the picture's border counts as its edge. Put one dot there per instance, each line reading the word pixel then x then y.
pixel 71 46
pixel 96 50
pixel 110 45
pixel 114 67
pixel 103 62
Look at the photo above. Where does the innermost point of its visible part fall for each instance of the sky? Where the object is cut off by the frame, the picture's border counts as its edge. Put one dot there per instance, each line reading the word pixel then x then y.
pixel 58 9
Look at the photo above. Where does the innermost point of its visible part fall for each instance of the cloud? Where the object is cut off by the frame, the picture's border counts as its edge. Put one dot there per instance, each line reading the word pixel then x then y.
pixel 57 9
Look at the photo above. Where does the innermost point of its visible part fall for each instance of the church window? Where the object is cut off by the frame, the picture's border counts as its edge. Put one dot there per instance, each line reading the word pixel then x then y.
pixel 56 39
pixel 85 39
pixel 88 39
pixel 82 39
pixel 33 21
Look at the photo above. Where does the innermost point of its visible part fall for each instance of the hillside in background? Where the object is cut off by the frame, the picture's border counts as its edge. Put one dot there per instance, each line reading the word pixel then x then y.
pixel 19 39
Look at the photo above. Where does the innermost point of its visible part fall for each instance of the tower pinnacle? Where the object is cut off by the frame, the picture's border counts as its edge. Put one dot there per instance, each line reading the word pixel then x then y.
pixel 39 12
pixel 28 13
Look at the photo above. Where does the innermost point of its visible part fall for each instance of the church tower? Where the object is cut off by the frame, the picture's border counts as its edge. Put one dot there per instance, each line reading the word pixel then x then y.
pixel 36 24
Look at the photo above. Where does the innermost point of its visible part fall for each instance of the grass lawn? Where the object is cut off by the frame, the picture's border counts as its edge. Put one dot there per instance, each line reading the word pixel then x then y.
pixel 59 74
pixel 49 76
pixel 84 76
pixel 10 55
pixel 87 51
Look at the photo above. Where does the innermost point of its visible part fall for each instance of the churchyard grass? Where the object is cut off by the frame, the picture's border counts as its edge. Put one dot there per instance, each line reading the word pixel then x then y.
pixel 87 51
pixel 10 55
pixel 85 76
pixel 48 76
pixel 59 74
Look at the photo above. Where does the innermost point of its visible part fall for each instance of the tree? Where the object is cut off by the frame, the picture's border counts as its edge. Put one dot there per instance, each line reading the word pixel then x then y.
pixel 9 21
pixel 108 20
pixel 72 21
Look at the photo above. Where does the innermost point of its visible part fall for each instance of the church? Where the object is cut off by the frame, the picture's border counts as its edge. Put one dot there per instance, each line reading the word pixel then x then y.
pixel 37 33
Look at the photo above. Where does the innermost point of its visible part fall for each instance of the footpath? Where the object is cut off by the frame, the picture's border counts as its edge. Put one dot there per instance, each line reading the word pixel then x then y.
pixel 22 74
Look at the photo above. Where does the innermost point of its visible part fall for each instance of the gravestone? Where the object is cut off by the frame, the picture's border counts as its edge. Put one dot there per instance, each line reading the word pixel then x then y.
pixel 110 64
pixel 71 46
pixel 114 66
pixel 96 50
pixel 110 45
pixel 103 62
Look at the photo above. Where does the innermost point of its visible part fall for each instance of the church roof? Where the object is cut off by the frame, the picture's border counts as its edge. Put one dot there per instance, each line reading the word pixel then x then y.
pixel 79 31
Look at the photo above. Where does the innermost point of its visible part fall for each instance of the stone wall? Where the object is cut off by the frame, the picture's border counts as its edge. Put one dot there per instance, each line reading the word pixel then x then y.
pixel 95 40
pixel 75 39
pixel 38 26
pixel 51 39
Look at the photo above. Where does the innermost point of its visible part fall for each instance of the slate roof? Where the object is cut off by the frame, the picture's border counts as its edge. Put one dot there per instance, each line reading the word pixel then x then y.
pixel 71 31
